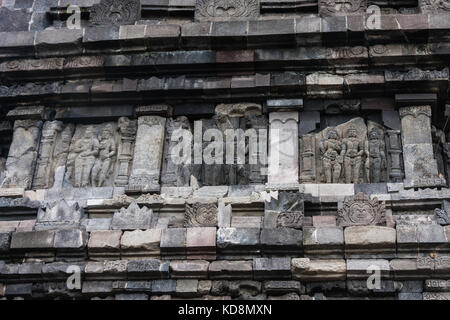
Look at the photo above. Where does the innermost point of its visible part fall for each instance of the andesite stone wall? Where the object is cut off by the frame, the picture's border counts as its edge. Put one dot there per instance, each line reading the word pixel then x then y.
pixel 326 122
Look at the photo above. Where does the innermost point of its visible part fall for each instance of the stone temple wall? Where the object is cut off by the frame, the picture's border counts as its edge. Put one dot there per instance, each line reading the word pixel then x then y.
pixel 246 149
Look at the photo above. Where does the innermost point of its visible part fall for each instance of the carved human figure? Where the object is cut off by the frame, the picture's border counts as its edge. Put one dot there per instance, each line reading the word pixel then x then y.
pixel 86 150
pixel 107 150
pixel 331 158
pixel 376 157
pixel 438 148
pixel 352 151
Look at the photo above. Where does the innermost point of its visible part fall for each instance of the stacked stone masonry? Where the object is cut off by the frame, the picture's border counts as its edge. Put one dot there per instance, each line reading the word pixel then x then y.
pixel 250 149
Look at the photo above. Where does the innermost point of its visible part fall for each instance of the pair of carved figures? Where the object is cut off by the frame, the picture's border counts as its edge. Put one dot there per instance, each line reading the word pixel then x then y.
pixel 350 153
pixel 91 158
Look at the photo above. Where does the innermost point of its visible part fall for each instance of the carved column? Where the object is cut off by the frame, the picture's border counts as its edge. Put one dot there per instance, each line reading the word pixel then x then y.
pixel 394 149
pixel 307 158
pixel 283 148
pixel 22 154
pixel 127 131
pixel 146 169
pixel 420 166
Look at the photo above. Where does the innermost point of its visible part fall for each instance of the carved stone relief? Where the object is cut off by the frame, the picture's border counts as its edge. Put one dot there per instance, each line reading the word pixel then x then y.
pixel 92 155
pixel 22 154
pixel 442 215
pixel 53 152
pixel 127 132
pixel 115 12
pixel 226 9
pixel 434 6
pixel 352 152
pixel 341 7
pixel 285 211
pixel 360 210
pixel 132 218
pixel 173 174
pixel 201 215
pixel 59 215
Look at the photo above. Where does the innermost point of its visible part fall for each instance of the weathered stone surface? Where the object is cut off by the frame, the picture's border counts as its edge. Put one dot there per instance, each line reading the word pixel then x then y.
pixel 283 287
pixel 132 218
pixel 70 239
pixel 148 268
pixel 230 269
pixel 323 241
pixel 32 240
pixel 201 242
pixel 131 296
pixel 285 211
pixel 207 10
pixel 224 215
pixel 164 286
pixel 187 288
pixel 318 270
pixel 238 240
pixel 105 243
pixel 369 240
pixel 173 241
pixel 195 269
pixel 5 239
pixel 148 150
pixel 281 240
pixel 436 296
pixel 97 287
pixel 138 242
pixel 437 285
pixel 265 268
pixel 362 268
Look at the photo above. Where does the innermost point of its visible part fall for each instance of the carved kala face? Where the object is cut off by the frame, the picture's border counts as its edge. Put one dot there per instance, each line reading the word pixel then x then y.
pixel 361 213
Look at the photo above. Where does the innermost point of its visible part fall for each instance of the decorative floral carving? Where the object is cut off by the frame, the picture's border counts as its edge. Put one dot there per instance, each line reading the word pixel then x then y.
pixel 226 9
pixel 115 12
pixel 201 215
pixel 360 210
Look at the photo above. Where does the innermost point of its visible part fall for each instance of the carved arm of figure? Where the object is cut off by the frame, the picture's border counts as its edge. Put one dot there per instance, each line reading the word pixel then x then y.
pixel 113 149
pixel 361 148
pixel 322 146
pixel 95 148
pixel 383 155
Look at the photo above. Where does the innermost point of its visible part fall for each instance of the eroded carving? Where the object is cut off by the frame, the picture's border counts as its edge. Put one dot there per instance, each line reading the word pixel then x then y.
pixel 132 218
pixel 226 9
pixel 201 215
pixel 285 211
pixel 59 215
pixel 332 160
pixel 115 12
pixel 22 155
pixel 341 7
pixel 360 210
pixel 375 156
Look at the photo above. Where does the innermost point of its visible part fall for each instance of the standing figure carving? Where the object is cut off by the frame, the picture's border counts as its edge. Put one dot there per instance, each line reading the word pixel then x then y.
pixel 331 156
pixel 86 150
pixel 352 150
pixel 376 157
pixel 107 150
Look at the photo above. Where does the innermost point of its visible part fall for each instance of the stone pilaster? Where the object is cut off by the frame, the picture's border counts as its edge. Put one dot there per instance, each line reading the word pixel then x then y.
pixel 127 130
pixel 283 148
pixel 394 149
pixel 22 154
pixel 420 166
pixel 146 168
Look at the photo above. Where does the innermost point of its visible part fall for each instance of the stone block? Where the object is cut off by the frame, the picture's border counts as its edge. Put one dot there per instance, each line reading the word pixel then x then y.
pixel 368 241
pixel 19 289
pixel 224 269
pixel 187 288
pixel 8 226
pixel 236 240
pixel 17 43
pixel 283 287
pixel 5 239
pixel 132 218
pixel 363 268
pixel 224 215
pixel 173 241
pixel 201 243
pixel 327 288
pixel 32 240
pixel 140 243
pixel 105 243
pixel 148 269
pixel 12 192
pixel 320 241
pixel 97 224
pixel 61 41
pixel 26 225
pixel 324 221
pixel 305 269
pixel 97 287
pixel 194 269
pixel 164 286
pixel 131 296
pixel 266 268
pixel 281 240
pixel 246 222
pixel 70 239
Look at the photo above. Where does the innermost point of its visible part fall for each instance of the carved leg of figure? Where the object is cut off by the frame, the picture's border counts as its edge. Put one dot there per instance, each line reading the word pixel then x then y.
pixel 356 170
pixel 89 163
pixel 327 170
pixel 95 174
pixel 348 170
pixel 376 170
pixel 104 172
pixel 336 172
pixel 369 175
